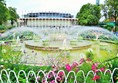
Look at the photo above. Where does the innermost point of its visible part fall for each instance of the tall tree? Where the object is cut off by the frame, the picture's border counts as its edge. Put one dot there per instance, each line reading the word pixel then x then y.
pixel 3 13
pixel 13 15
pixel 104 8
pixel 110 10
pixel 89 14
pixel 3 2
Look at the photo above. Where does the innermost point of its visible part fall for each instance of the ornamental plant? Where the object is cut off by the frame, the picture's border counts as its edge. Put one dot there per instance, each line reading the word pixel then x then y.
pixel 8 54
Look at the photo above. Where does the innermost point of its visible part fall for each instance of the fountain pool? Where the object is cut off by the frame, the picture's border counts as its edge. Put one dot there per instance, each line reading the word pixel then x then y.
pixel 66 44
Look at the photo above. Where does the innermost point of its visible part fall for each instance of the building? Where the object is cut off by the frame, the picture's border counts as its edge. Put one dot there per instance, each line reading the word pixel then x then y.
pixel 97 2
pixel 48 19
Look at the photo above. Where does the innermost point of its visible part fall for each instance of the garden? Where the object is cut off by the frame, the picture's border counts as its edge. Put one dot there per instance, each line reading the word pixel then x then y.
pixel 97 63
pixel 86 52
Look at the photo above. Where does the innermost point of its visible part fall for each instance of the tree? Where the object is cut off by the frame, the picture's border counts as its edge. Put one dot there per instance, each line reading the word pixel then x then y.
pixel 110 9
pixel 3 13
pixel 13 15
pixel 89 15
pixel 104 8
pixel 2 2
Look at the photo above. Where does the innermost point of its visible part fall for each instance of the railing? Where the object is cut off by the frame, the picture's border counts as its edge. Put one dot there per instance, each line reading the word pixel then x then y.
pixel 27 76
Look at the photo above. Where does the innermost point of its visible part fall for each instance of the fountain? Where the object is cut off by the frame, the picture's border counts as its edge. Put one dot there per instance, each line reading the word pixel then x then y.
pixel 17 40
pixel 65 43
pixel 52 41
pixel 14 36
pixel 60 39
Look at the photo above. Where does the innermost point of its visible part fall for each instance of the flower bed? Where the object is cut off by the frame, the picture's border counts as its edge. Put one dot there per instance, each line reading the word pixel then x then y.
pixel 92 71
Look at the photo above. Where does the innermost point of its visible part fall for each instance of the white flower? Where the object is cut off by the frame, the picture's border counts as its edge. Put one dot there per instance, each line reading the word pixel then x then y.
pixel 82 55
pixel 1 66
pixel 4 51
pixel 117 55
pixel 3 42
pixel 2 60
pixel 90 50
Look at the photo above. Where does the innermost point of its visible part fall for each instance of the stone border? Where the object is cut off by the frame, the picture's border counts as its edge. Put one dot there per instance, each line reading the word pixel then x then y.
pixel 48 48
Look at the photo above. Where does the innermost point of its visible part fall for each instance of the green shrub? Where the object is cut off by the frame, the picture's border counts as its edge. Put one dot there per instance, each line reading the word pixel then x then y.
pixel 10 27
pixel 2 27
pixel 112 64
pixel 90 55
pixel 116 28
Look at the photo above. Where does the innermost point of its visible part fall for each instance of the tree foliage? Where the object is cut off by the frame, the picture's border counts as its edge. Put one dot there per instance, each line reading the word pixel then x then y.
pixel 110 9
pixel 2 2
pixel 13 15
pixel 3 13
pixel 89 14
pixel 7 13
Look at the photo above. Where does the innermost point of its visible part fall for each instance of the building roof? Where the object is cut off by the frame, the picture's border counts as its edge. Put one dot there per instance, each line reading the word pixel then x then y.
pixel 49 15
pixel 33 18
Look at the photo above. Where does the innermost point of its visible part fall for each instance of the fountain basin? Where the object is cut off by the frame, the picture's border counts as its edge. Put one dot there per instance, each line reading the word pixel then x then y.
pixel 56 45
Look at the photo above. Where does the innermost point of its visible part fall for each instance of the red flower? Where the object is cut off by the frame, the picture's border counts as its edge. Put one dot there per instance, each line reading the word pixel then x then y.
pixel 68 67
pixel 96 77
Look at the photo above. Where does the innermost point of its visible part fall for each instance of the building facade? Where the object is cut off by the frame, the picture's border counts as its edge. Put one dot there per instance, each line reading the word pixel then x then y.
pixel 48 19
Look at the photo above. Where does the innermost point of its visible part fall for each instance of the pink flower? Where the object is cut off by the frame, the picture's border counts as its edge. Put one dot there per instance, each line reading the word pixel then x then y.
pixel 59 78
pixel 96 77
pixel 102 69
pixel 75 64
pixel 38 78
pixel 50 75
pixel 96 70
pixel 53 81
pixel 68 67
pixel 94 66
pixel 61 73
pixel 43 81
pixel 53 66
pixel 81 60
pixel 77 69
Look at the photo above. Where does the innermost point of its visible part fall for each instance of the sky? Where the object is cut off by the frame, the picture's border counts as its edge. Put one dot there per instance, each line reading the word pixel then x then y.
pixel 63 6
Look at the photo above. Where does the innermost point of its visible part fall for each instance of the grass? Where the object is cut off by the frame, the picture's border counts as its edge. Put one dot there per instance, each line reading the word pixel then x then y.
pixel 8 54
